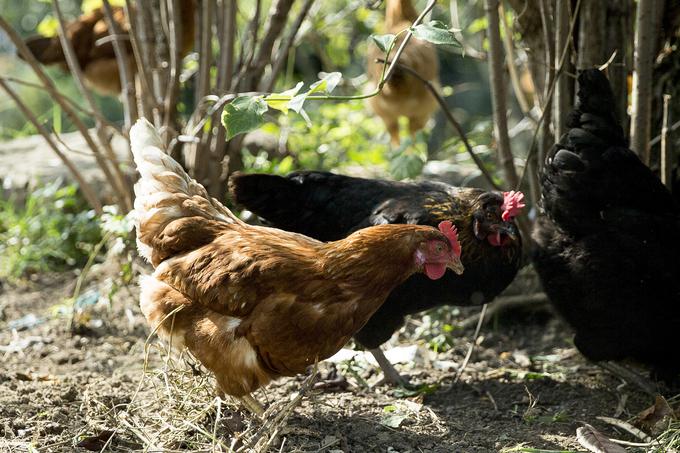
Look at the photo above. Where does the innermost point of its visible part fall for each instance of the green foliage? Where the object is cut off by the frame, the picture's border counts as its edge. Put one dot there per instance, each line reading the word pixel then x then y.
pixel 52 230
pixel 339 134
pixel 409 159
pixel 435 32
pixel 383 42
pixel 243 114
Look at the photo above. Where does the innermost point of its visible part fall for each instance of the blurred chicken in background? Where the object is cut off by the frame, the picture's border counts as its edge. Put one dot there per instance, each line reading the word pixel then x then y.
pixel 404 95
pixel 95 55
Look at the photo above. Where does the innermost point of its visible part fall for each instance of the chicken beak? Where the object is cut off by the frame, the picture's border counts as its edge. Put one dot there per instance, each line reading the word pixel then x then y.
pixel 456 265
pixel 508 231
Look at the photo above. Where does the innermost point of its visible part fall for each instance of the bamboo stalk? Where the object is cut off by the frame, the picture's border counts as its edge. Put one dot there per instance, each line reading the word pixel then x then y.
pixel 88 192
pixel 498 99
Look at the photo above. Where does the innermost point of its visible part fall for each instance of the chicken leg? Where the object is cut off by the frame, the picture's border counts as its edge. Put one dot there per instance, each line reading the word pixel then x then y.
pixel 392 376
pixel 248 402
pixel 629 376
pixel 252 405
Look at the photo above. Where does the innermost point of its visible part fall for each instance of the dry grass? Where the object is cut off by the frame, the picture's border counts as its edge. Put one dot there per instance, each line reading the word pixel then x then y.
pixel 174 408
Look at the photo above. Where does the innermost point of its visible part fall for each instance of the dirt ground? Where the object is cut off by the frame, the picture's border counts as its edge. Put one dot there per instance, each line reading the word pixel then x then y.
pixel 62 385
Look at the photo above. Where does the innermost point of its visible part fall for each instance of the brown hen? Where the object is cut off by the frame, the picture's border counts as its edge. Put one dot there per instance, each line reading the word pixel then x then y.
pixel 98 59
pixel 403 94
pixel 254 303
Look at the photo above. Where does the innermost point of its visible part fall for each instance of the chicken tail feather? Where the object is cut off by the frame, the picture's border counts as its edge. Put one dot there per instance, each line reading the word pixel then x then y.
pixel 169 204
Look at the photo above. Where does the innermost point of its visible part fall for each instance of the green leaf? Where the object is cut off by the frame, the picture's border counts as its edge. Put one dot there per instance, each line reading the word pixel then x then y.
pixel 281 101
pixel 383 41
pixel 243 114
pixel 393 420
pixel 435 32
pixel 326 85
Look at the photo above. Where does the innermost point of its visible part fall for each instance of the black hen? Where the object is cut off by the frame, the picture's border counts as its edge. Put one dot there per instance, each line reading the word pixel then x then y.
pixel 328 207
pixel 606 248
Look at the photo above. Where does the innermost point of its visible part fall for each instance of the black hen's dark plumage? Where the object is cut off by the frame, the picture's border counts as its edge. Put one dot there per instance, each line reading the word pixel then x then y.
pixel 328 207
pixel 606 248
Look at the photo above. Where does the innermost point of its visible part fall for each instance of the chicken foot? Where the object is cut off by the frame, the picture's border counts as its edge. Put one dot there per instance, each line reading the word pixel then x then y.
pixel 391 375
pixel 248 402
pixel 251 404
pixel 629 376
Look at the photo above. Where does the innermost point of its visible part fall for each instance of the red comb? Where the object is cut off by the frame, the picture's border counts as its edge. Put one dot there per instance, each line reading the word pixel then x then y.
pixel 513 202
pixel 451 234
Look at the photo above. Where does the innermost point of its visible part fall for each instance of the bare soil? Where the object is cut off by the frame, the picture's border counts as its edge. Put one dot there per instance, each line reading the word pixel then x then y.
pixel 62 385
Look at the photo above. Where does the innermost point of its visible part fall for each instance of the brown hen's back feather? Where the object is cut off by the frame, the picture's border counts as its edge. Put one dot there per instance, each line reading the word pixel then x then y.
pixel 254 303
pixel 404 95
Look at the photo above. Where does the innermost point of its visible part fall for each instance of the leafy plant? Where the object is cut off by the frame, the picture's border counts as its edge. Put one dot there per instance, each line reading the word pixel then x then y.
pixel 53 229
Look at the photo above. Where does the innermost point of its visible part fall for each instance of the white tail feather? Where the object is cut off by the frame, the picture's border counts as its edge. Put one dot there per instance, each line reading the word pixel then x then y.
pixel 165 192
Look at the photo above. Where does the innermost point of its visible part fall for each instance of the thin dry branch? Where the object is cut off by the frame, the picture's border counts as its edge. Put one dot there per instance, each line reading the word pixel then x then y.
pixel 512 70
pixel 113 174
pixel 284 48
pixel 498 100
pixel 276 21
pixel 562 101
pixel 142 55
pixel 455 23
pixel 666 148
pixel 124 68
pixel 88 192
pixel 551 91
pixel 27 55
pixel 645 39
pixel 74 104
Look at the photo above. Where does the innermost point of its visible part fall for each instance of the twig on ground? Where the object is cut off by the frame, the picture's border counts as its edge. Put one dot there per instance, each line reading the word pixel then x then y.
pixel 460 371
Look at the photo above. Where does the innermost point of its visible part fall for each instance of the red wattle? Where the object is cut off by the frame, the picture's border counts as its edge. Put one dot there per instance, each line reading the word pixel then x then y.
pixel 494 239
pixel 435 270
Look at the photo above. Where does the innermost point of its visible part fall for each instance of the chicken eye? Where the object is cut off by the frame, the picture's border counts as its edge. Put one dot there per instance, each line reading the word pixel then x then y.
pixel 439 248
pixel 489 216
